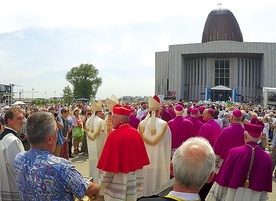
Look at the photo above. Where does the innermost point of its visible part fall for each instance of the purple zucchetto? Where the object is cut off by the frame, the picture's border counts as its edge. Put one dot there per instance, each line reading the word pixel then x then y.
pixel 178 109
pixel 201 108
pixel 254 128
pixel 237 113
pixel 194 111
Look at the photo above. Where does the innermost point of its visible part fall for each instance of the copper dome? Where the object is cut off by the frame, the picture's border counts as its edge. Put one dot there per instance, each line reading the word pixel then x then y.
pixel 221 24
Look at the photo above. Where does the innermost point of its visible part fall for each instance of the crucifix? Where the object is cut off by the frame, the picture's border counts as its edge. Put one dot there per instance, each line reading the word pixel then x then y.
pixel 219 4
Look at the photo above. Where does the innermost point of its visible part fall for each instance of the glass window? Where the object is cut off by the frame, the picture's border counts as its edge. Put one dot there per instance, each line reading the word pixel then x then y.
pixel 222 72
pixel 226 81
pixel 221 63
pixel 227 64
pixel 216 81
pixel 216 72
pixel 216 64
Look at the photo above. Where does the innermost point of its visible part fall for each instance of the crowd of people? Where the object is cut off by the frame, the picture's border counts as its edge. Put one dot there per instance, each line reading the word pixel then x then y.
pixel 214 151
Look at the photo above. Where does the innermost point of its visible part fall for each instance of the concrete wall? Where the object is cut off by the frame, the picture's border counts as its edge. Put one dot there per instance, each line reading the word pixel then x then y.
pixel 171 65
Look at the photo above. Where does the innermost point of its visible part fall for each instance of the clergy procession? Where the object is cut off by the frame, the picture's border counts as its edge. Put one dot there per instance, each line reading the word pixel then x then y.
pixel 213 151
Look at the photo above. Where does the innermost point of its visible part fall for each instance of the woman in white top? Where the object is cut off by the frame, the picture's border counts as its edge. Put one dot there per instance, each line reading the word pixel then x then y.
pixel 265 132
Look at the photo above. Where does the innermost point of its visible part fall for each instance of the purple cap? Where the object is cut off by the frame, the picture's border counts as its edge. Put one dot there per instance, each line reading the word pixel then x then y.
pixel 178 109
pixel 212 111
pixel 201 108
pixel 237 113
pixel 194 111
pixel 254 130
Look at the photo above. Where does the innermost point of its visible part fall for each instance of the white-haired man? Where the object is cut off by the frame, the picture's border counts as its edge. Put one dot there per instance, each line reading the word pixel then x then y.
pixel 193 165
pixel 122 160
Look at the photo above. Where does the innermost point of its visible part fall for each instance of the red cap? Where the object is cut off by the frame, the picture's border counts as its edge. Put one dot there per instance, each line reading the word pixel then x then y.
pixel 189 110
pixel 121 110
pixel 237 113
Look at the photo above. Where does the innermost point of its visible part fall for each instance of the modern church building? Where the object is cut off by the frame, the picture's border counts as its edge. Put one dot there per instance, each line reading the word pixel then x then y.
pixel 222 66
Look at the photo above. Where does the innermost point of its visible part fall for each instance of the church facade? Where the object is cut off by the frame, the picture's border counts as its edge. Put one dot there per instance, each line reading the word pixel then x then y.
pixel 196 71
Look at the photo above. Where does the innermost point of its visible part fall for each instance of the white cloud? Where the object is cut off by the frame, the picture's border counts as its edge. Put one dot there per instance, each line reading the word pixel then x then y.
pixel 147 56
pixel 163 40
pixel 126 42
pixel 102 48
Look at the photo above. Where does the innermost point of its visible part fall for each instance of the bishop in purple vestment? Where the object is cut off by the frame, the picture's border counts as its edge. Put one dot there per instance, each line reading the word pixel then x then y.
pixel 211 129
pixel 230 137
pixel 181 128
pixel 247 171
pixel 133 120
pixel 193 118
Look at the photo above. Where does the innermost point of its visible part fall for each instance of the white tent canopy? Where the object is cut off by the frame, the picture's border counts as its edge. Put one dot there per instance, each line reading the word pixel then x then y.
pixel 221 87
pixel 19 103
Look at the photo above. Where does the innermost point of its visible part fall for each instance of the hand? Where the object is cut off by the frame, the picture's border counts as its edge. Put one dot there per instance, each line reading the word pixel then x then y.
pixel 93 191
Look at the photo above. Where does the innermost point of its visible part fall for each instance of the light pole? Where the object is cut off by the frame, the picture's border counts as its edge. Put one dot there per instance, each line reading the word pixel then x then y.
pixel 20 92
pixel 32 94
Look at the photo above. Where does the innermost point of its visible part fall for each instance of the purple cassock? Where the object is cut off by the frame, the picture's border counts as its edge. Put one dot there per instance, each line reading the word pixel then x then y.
pixel 134 121
pixel 181 130
pixel 197 124
pixel 233 173
pixel 200 118
pixel 210 130
pixel 230 137
pixel 171 112
pixel 165 116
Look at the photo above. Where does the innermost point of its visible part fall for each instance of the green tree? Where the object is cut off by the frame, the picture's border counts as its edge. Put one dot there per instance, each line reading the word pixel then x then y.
pixel 85 80
pixel 68 95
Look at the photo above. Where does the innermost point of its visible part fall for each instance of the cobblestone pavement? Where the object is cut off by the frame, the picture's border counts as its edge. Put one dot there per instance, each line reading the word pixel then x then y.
pixel 81 163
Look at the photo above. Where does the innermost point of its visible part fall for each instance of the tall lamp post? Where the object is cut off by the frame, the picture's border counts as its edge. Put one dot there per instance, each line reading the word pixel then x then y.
pixel 32 94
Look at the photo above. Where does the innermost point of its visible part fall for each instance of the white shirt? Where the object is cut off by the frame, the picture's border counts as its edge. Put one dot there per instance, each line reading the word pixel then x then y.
pixel 184 196
pixel 140 113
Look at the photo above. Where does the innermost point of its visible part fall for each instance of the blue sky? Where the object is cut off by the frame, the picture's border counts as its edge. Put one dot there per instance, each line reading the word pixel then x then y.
pixel 40 41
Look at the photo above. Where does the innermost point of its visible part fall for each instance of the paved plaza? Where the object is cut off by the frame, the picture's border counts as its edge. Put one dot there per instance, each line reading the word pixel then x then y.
pixel 81 163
